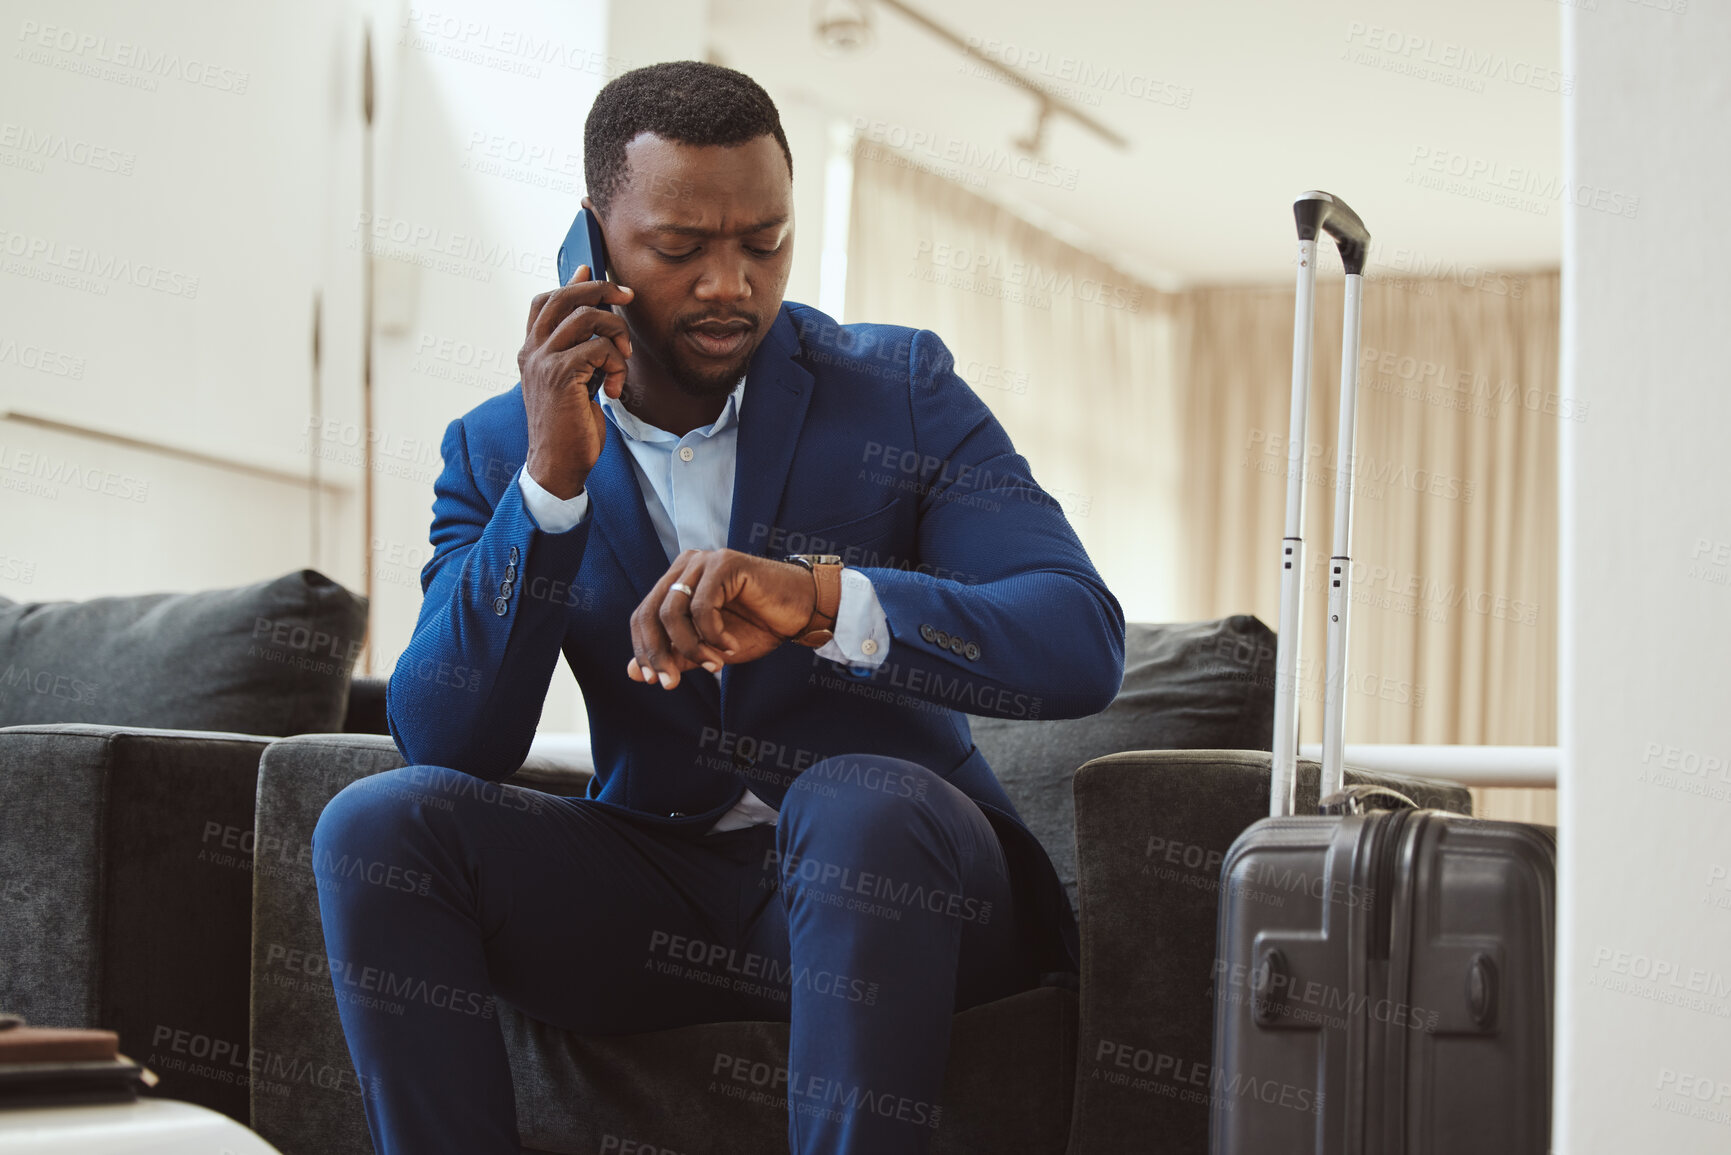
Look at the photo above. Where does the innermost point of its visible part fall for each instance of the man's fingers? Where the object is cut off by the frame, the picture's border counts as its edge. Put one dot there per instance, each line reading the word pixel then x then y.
pixel 579 363
pixel 675 614
pixel 585 322
pixel 563 301
pixel 711 593
pixel 649 643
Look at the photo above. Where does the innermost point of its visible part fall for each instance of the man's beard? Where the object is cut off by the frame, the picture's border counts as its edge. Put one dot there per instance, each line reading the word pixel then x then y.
pixel 704 377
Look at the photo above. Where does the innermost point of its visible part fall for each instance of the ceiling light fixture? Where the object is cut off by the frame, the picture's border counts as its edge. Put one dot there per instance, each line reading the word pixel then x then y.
pixel 1049 102
pixel 843 27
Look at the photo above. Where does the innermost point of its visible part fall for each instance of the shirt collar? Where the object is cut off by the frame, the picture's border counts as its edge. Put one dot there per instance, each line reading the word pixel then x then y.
pixel 637 430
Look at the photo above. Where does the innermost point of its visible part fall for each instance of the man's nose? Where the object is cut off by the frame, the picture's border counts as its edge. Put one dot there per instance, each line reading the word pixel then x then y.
pixel 724 280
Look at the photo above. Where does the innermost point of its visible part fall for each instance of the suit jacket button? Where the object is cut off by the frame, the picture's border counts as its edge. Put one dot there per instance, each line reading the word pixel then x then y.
pixel 515 556
pixel 927 632
pixel 676 814
pixel 501 606
pixel 971 652
pixel 941 639
pixel 505 588
pixel 957 646
pixel 511 571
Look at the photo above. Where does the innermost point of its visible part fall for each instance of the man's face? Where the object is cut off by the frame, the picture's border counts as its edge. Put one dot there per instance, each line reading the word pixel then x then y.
pixel 703 235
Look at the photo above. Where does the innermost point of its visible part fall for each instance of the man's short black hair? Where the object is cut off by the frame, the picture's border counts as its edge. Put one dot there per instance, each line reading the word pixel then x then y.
pixel 686 101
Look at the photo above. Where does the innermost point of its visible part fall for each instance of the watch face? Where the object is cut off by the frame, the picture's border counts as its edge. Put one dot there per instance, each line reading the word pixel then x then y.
pixel 822 558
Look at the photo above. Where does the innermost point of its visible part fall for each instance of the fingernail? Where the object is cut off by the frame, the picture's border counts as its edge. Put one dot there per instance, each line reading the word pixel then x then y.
pixel 712 666
pixel 666 680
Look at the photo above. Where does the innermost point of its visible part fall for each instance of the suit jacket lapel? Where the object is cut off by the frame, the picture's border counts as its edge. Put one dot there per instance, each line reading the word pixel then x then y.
pixel 777 392
pixel 616 503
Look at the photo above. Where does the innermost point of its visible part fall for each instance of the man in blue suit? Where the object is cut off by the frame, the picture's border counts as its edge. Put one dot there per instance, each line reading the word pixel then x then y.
pixel 788 818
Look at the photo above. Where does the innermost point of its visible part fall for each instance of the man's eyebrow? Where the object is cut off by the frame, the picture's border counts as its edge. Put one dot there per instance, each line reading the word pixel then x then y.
pixel 698 231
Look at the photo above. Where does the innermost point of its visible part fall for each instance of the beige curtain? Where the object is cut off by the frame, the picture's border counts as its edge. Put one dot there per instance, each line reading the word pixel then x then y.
pixel 1159 421
pixel 1074 359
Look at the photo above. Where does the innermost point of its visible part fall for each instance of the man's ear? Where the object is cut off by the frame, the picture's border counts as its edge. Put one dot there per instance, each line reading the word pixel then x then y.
pixel 589 204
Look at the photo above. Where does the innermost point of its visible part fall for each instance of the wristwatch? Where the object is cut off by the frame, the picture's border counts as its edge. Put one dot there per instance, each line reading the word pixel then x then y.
pixel 826 573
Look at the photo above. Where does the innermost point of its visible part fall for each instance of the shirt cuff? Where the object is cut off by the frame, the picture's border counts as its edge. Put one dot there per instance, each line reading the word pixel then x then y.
pixel 552 514
pixel 862 632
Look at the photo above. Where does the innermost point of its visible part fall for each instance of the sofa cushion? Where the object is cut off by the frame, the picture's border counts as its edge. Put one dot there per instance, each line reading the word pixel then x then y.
pixel 271 658
pixel 1189 686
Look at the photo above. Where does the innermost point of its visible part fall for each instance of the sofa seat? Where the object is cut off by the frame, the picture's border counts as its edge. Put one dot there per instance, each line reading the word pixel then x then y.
pixel 1008 1090
pixel 721 1088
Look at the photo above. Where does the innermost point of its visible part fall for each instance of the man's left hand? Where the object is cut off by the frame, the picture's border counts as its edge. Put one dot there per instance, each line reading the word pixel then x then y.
pixel 741 607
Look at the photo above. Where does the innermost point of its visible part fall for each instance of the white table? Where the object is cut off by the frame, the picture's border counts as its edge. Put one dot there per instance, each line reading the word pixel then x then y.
pixel 146 1127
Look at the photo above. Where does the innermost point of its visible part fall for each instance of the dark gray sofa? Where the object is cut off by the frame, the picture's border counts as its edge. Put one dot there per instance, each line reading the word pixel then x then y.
pixel 157 882
pixel 130 735
pixel 1035 1073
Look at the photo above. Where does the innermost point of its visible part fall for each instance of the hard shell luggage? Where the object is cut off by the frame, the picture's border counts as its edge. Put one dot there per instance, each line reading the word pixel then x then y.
pixel 1383 974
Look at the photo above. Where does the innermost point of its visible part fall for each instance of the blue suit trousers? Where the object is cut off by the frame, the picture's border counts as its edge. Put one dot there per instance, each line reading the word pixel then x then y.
pixel 877 907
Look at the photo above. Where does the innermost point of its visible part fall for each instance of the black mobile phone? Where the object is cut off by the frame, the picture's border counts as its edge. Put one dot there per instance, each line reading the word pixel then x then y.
pixel 584 246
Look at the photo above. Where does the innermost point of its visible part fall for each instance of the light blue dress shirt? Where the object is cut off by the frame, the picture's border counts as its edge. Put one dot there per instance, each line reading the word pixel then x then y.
pixel 687 486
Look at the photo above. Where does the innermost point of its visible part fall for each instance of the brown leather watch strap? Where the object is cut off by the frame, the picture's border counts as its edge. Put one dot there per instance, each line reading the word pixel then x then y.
pixel 821 628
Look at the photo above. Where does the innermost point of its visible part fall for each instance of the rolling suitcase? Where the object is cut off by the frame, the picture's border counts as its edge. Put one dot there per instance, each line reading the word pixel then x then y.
pixel 1383 974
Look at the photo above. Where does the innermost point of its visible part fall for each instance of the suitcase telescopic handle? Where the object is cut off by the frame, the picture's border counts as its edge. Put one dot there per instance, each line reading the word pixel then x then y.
pixel 1316 211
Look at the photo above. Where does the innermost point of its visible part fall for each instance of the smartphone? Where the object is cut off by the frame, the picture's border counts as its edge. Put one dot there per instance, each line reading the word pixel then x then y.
pixel 584 246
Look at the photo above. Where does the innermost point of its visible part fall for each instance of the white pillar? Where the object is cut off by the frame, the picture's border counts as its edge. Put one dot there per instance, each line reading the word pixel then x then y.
pixel 1644 942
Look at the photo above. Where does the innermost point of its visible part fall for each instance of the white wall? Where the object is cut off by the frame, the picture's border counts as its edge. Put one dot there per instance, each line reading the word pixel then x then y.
pixel 1644 945
pixel 166 175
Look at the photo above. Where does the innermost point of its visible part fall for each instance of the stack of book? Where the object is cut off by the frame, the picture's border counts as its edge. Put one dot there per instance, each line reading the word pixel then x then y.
pixel 64 1066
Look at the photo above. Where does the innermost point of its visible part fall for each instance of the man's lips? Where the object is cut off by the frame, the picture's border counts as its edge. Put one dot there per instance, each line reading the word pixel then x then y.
pixel 719 338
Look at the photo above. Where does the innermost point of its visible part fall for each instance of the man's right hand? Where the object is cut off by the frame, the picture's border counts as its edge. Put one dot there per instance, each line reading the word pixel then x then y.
pixel 571 334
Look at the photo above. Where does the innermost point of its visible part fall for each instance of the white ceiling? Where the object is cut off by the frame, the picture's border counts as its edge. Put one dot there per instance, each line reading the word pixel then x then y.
pixel 1276 104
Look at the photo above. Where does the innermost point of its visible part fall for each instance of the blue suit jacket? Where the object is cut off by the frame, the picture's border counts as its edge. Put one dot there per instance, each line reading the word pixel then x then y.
pixel 859 440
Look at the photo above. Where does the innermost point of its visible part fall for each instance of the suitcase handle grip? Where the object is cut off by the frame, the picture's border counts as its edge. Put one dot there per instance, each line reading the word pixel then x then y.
pixel 1316 211
pixel 1362 798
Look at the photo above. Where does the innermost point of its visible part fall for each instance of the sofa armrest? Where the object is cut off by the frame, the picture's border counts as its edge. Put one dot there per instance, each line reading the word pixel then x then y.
pixel 126 891
pixel 305 1098
pixel 1152 830
pixel 366 709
